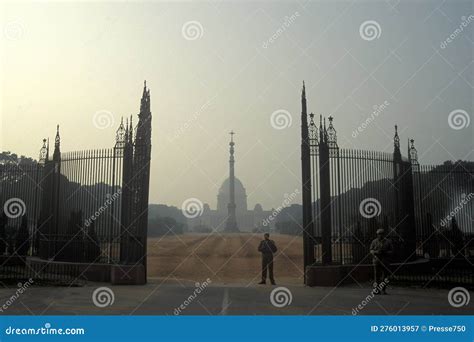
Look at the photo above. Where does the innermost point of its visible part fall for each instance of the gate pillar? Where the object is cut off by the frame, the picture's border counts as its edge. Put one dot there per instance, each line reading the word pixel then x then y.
pixel 308 230
pixel 325 196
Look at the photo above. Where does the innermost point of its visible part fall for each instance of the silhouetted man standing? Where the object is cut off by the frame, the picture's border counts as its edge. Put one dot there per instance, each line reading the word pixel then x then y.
pixel 381 248
pixel 267 247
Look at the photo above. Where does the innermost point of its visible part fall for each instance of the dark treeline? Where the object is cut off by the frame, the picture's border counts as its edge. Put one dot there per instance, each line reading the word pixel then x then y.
pixel 165 220
pixel 12 158
pixel 433 180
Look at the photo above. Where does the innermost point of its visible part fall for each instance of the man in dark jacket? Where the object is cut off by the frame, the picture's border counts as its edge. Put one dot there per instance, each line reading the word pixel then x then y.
pixel 267 248
pixel 381 249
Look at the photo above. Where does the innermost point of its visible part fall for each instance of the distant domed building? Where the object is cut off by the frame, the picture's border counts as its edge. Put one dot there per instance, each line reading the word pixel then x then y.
pixel 222 218
pixel 239 193
pixel 247 220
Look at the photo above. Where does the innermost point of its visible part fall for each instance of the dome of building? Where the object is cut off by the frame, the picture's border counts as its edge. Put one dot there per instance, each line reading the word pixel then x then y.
pixel 240 196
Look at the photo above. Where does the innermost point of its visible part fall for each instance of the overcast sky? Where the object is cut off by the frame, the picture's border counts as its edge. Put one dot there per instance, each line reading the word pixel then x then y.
pixel 216 66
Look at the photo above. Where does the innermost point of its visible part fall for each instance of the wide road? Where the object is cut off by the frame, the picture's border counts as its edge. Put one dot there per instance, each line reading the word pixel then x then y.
pixel 178 266
pixel 160 297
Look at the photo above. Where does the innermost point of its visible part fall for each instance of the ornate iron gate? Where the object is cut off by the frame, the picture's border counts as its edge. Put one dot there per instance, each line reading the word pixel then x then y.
pixel 349 194
pixel 82 210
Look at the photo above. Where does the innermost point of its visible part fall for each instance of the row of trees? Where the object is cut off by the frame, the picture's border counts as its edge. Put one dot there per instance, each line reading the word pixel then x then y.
pixel 165 220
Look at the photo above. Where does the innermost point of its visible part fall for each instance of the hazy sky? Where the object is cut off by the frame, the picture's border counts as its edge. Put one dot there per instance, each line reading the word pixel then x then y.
pixel 218 66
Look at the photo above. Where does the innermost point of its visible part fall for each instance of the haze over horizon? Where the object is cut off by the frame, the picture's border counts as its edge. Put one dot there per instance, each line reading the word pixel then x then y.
pixel 213 67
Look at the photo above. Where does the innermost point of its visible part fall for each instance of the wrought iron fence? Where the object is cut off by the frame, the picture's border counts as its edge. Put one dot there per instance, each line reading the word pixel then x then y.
pixel 71 211
pixel 444 193
pixel 19 196
pixel 89 205
pixel 354 193
pixel 348 194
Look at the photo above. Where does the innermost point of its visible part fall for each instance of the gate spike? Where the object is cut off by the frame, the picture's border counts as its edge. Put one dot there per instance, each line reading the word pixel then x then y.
pixel 131 129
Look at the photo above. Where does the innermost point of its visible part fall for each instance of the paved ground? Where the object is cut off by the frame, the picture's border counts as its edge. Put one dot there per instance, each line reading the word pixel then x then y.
pixel 232 263
pixel 162 298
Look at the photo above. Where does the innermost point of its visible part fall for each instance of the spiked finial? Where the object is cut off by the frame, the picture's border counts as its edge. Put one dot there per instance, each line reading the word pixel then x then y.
pixel 120 134
pixel 43 152
pixel 126 129
pixel 312 132
pixel 412 152
pixel 144 89
pixel 57 140
pixel 396 139
pixel 321 133
pixel 130 134
pixel 331 133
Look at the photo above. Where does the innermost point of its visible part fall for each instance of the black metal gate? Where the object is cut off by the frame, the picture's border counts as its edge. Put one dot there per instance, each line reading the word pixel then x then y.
pixel 349 194
pixel 70 213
